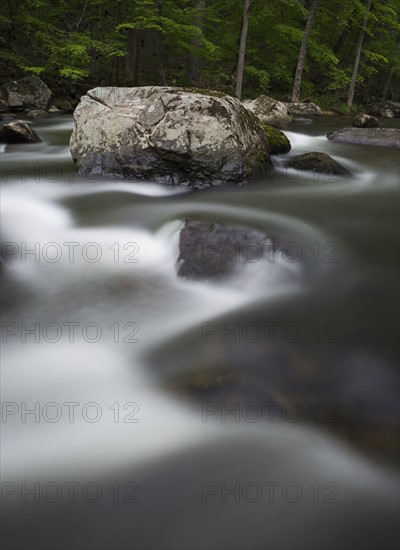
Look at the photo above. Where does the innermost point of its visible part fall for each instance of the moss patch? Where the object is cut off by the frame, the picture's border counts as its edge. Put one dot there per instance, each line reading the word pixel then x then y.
pixel 278 143
pixel 211 93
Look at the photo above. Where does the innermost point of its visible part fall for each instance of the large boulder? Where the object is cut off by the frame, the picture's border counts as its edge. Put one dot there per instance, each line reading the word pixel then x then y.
pixel 26 93
pixel 381 137
pixel 269 111
pixel 169 135
pixel 304 109
pixel 318 162
pixel 363 120
pixel 18 132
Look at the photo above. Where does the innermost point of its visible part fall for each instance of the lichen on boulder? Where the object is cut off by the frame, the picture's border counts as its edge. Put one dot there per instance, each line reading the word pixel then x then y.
pixel 269 111
pixel 168 135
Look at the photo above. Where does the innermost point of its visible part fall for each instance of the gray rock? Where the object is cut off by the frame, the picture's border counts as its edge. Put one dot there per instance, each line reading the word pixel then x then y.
pixel 18 132
pixel 169 135
pixel 269 111
pixel 209 250
pixel 318 162
pixel 363 120
pixel 27 93
pixel 387 113
pixel 37 113
pixel 381 137
pixel 304 109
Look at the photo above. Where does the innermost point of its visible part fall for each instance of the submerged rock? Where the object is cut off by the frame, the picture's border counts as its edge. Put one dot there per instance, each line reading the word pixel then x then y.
pixel 363 120
pixel 18 132
pixel 304 109
pixel 209 250
pixel 26 93
pixel 318 162
pixel 37 113
pixel 278 143
pixel 381 137
pixel 168 135
pixel 269 111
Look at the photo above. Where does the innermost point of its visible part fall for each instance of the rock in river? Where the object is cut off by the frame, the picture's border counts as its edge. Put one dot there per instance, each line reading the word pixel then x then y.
pixel 318 162
pixel 169 135
pixel 304 109
pixel 209 250
pixel 365 121
pixel 382 137
pixel 18 132
pixel 269 111
pixel 27 93
pixel 278 142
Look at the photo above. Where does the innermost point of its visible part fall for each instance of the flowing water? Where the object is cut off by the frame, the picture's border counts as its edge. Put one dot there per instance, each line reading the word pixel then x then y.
pixel 131 374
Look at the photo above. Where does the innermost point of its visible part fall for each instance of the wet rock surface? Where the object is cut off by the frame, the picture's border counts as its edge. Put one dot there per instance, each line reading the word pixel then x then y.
pixel 319 163
pixel 18 132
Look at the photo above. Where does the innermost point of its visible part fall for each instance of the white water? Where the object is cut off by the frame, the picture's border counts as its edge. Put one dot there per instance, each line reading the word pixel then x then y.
pixel 164 307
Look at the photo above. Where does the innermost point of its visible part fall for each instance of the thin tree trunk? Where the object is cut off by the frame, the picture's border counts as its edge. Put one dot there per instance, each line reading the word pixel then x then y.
pixel 303 53
pixel 358 55
pixel 160 46
pixel 133 57
pixel 194 59
pixel 242 48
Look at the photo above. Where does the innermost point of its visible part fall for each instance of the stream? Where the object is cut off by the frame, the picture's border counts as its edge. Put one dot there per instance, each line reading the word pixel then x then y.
pixel 134 412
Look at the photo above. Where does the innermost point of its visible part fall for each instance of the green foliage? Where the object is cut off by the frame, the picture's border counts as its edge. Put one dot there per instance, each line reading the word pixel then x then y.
pixel 89 42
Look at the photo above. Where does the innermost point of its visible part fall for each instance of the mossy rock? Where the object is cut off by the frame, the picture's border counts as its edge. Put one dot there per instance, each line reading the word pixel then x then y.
pixel 64 105
pixel 278 143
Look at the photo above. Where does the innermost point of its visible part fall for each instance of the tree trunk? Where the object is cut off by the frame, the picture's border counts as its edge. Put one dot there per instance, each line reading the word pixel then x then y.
pixel 194 59
pixel 160 46
pixel 302 53
pixel 242 49
pixel 133 57
pixel 358 55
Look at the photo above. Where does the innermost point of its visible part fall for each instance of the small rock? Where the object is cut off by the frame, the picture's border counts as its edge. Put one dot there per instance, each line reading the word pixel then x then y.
pixel 18 132
pixel 387 113
pixel 363 120
pixel 37 113
pixel 318 162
